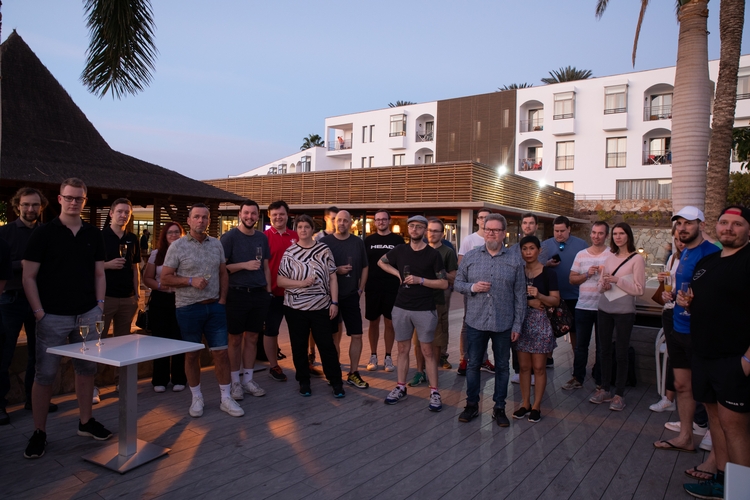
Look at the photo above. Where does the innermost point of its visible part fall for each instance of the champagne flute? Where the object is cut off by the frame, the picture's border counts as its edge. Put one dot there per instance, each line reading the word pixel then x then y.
pixel 259 253
pixel 124 250
pixel 206 274
pixel 83 331
pixel 349 263
pixel 685 289
pixel 668 284
pixel 99 330
pixel 407 273
pixel 529 282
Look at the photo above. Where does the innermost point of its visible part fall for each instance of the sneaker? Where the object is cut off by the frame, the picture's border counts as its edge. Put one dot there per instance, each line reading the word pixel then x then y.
pixel 617 404
pixel 436 403
pixel 304 390
pixel 550 362
pixel 178 387
pixel 515 378
pixel 487 367
pixel 196 407
pixel 572 384
pixel 599 397
pixel 462 368
pixel 4 418
pixel 252 387
pixel 373 364
pixel 35 448
pixel 520 413
pixel 535 416
pixel 705 489
pixel 231 406
pixel 388 364
pixel 395 395
pixel 94 429
pixel 160 388
pixel 236 391
pixel 355 380
pixel 279 354
pixel 315 371
pixel 663 405
pixel 444 362
pixel 419 378
pixel 498 415
pixel 96 399
pixel 697 429
pixel 277 374
pixel 706 443
pixel 338 391
pixel 469 413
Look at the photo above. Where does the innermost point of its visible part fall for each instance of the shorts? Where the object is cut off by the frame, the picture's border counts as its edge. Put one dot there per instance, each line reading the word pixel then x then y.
pixel 54 330
pixel 350 314
pixel 274 316
pixel 207 321
pixel 721 381
pixel 680 350
pixel 247 309
pixel 378 303
pixel 405 322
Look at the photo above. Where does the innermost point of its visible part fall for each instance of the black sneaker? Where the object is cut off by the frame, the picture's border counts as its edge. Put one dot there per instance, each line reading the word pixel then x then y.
pixel 35 448
pixel 94 429
pixel 469 413
pixel 277 374
pixel 280 355
pixel 520 413
pixel 550 362
pixel 498 415
pixel 304 389
pixel 535 416
pixel 338 391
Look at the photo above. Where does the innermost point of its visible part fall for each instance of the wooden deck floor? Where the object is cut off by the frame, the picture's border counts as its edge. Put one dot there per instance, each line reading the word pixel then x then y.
pixel 289 447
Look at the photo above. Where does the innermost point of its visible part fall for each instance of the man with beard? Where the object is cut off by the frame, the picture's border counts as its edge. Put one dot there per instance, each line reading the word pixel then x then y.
pixel 15 312
pixel 249 295
pixel 721 345
pixel 689 226
pixel 414 308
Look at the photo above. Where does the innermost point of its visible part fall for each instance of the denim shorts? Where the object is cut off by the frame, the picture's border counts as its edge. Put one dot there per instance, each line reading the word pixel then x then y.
pixel 54 330
pixel 207 321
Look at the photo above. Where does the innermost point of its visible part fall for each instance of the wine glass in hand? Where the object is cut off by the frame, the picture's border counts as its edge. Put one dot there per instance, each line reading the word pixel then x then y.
pixel 685 291
pixel 407 273
pixel 349 263
pixel 259 253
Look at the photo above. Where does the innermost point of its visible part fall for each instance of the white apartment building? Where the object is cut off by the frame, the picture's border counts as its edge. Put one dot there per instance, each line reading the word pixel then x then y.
pixel 607 137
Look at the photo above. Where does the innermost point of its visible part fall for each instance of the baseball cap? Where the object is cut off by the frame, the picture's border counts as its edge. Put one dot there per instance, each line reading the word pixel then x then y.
pixel 737 210
pixel 417 218
pixel 689 213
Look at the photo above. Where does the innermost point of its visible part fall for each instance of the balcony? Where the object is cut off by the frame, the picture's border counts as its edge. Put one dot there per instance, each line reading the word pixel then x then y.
pixel 657 158
pixel 424 137
pixel 532 125
pixel 339 145
pixel 529 164
pixel 651 113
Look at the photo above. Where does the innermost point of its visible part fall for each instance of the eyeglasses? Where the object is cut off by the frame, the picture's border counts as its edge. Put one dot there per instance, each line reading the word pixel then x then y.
pixel 415 226
pixel 481 217
pixel 30 205
pixel 493 231
pixel 382 220
pixel 71 199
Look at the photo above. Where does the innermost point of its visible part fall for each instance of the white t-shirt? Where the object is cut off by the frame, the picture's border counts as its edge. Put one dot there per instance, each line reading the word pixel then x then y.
pixel 588 292
pixel 470 243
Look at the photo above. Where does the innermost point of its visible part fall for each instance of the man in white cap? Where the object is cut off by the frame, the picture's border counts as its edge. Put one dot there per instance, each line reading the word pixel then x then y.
pixel 689 224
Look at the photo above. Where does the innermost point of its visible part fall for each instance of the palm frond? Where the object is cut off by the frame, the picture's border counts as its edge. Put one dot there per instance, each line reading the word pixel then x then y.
pixel 400 103
pixel 644 4
pixel 601 6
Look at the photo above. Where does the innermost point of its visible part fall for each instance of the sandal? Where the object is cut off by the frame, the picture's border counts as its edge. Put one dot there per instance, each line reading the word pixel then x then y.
pixel 700 475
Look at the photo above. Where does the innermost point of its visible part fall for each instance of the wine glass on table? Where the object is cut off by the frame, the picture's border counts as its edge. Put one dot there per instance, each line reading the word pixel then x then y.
pixel 83 331
pixel 99 330
pixel 685 289
pixel 407 273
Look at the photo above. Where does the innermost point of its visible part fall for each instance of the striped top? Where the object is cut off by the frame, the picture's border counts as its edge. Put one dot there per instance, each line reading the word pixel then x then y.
pixel 298 263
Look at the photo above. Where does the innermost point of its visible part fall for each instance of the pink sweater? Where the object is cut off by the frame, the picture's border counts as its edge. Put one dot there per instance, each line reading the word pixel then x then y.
pixel 634 288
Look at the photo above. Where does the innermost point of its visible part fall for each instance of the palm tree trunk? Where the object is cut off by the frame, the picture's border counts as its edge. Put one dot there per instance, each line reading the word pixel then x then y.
pixel 731 24
pixel 692 108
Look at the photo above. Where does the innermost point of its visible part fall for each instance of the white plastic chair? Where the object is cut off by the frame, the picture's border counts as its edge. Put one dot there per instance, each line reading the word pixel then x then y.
pixel 661 355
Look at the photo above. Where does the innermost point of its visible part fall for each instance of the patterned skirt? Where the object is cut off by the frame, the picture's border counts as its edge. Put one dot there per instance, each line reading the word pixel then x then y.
pixel 536 334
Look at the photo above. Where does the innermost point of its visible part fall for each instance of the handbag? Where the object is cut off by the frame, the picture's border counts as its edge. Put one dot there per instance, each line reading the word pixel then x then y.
pixel 142 320
pixel 656 297
pixel 560 317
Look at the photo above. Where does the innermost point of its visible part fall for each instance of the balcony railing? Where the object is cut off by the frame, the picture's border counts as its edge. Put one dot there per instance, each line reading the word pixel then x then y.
pixel 339 145
pixel 657 157
pixel 532 125
pixel 612 111
pixel 527 164
pixel 616 160
pixel 651 113
pixel 425 137
pixel 563 116
pixel 565 162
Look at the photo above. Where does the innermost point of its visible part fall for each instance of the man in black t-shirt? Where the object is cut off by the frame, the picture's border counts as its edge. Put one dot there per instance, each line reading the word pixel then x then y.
pixel 719 318
pixel 381 289
pixel 423 272
pixel 63 277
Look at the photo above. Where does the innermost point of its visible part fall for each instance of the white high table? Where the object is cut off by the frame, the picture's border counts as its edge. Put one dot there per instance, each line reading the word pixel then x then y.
pixel 126 352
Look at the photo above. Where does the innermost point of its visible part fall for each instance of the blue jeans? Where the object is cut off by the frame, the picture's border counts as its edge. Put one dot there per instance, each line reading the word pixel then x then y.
pixel 585 320
pixel 209 321
pixel 15 312
pixel 477 340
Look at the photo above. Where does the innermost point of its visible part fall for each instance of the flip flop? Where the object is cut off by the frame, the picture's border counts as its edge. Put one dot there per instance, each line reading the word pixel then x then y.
pixel 696 471
pixel 669 446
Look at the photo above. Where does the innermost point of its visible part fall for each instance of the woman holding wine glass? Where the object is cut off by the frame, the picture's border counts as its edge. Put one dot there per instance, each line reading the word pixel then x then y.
pixel 161 313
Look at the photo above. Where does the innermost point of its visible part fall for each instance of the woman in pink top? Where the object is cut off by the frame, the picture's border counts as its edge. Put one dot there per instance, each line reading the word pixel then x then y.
pixel 623 279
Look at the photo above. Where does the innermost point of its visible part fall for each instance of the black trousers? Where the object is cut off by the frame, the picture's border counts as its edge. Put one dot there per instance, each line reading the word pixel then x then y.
pixel 301 324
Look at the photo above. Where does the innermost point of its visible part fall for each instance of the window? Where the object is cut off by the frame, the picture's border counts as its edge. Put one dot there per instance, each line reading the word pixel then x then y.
pixel 364 162
pixel 429 128
pixel 658 107
pixel 398 125
pixel 364 134
pixel 644 189
pixel 398 160
pixel 615 99
pixel 429 158
pixel 564 105
pixel 452 147
pixel 305 164
pixel 371 161
pixel 566 185
pixel 479 130
pixel 565 155
pixel 536 120
pixel 506 118
pixel 372 132
pixel 743 84
pixel 616 152
pixel 282 168
pixel 659 151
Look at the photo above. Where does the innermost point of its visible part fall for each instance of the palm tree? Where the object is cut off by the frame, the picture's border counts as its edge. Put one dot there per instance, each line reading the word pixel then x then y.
pixel 400 103
pixel 567 74
pixel 691 103
pixel 311 141
pixel 515 86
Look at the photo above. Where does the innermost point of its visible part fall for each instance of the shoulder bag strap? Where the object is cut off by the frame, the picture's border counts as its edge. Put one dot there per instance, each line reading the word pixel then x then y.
pixel 623 263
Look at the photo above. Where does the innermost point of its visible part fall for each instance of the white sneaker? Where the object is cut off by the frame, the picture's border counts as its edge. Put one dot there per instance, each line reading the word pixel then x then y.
pixel 230 406
pixel 96 399
pixel 515 378
pixel 373 364
pixel 178 388
pixel 252 387
pixel 706 443
pixel 159 388
pixel 663 405
pixel 388 364
pixel 236 392
pixel 196 408
pixel 675 427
